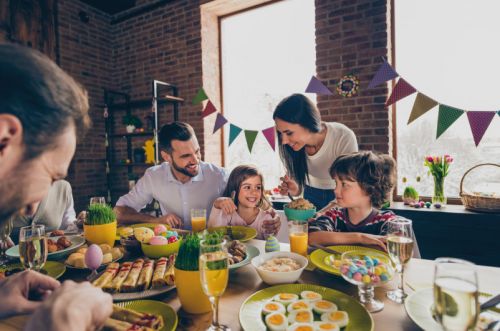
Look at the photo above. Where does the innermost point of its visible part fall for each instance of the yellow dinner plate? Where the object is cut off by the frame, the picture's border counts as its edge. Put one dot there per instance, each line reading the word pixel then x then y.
pixel 318 257
pixel 156 308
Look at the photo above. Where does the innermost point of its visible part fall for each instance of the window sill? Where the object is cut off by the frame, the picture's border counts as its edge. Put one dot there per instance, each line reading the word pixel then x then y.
pixel 448 209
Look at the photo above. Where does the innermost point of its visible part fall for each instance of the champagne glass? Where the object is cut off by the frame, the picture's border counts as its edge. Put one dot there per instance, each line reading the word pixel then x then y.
pixel 97 200
pixel 33 247
pixel 5 230
pixel 214 275
pixel 456 304
pixel 400 246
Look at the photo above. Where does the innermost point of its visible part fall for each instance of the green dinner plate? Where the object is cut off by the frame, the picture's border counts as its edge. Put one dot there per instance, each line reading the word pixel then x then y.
pixel 419 304
pixel 154 307
pixel 76 242
pixel 251 309
pixel 241 233
pixel 52 268
pixel 252 252
pixel 318 256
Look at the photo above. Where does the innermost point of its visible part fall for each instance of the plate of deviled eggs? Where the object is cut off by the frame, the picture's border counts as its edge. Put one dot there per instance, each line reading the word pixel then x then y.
pixel 303 307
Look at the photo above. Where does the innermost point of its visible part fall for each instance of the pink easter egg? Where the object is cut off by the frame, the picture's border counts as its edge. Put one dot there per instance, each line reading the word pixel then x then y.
pixel 357 276
pixel 93 257
pixel 158 240
pixel 159 229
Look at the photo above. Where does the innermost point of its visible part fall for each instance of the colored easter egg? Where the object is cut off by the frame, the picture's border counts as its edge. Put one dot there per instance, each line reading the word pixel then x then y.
pixel 93 257
pixel 367 279
pixel 272 244
pixel 384 277
pixel 357 276
pixel 159 229
pixel 158 240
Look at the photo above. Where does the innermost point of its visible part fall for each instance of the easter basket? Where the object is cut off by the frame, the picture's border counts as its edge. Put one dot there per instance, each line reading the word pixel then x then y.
pixel 479 202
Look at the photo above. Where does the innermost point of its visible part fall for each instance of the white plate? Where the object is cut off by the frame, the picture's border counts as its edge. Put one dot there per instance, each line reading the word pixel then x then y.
pixel 76 242
pixel 419 307
pixel 252 252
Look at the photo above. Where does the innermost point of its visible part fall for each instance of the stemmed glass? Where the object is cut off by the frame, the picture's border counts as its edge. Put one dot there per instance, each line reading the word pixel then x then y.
pixel 97 200
pixel 214 275
pixel 456 304
pixel 5 230
pixel 33 247
pixel 400 246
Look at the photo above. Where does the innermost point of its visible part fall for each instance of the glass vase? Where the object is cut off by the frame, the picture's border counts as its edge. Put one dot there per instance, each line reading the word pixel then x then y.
pixel 438 199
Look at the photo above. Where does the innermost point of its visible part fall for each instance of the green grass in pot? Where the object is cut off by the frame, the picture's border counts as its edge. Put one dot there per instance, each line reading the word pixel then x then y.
pixel 99 214
pixel 189 253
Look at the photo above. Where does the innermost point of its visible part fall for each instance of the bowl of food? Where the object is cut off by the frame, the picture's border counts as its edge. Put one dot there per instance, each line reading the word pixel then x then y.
pixel 279 267
pixel 159 246
pixel 299 210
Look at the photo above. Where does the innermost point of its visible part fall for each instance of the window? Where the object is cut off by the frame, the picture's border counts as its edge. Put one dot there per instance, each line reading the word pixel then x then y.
pixel 447 50
pixel 267 53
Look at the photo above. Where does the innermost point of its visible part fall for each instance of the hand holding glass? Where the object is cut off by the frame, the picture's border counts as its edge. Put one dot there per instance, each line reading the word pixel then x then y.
pixel 456 304
pixel 33 247
pixel 400 248
pixel 5 230
pixel 214 275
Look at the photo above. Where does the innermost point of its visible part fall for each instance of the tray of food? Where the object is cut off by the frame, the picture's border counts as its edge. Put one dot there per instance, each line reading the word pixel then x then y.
pixel 137 279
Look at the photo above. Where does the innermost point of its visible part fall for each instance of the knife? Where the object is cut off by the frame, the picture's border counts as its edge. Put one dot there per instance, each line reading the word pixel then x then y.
pixel 326 249
pixel 490 303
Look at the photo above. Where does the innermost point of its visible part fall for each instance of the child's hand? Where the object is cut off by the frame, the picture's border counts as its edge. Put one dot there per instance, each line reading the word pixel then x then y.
pixel 373 240
pixel 226 204
pixel 271 226
pixel 288 186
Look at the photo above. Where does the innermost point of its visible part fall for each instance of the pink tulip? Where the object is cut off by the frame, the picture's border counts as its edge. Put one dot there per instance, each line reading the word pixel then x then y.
pixel 429 159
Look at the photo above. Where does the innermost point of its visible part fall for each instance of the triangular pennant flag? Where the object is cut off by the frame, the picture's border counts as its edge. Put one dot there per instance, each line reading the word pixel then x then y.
pixel 400 91
pixel 479 122
pixel 498 113
pixel 200 96
pixel 269 133
pixel 447 116
pixel 422 104
pixel 316 86
pixel 250 135
pixel 209 109
pixel 384 73
pixel 219 122
pixel 234 131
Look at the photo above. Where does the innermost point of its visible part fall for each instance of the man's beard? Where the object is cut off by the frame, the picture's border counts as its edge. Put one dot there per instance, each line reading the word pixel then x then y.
pixel 183 170
pixel 12 198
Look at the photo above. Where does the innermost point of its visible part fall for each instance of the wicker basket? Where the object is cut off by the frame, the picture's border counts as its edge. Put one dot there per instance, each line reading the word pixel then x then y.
pixel 477 202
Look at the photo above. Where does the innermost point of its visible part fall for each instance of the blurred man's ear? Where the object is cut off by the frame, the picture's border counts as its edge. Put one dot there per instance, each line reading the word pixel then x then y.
pixel 166 156
pixel 11 135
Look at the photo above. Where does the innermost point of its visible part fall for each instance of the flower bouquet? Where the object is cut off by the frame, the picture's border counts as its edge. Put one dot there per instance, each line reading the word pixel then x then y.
pixel 438 167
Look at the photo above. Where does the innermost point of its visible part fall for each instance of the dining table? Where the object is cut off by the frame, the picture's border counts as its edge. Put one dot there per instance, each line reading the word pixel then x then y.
pixel 245 281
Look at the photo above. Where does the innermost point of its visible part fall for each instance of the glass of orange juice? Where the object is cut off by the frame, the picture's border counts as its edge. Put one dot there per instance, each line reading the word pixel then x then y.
pixel 198 219
pixel 297 232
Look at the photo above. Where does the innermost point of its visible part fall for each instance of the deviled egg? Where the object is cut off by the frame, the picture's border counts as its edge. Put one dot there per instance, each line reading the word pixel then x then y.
pixel 276 321
pixel 301 327
pixel 323 306
pixel 338 317
pixel 326 326
pixel 310 296
pixel 301 316
pixel 285 298
pixel 297 305
pixel 273 307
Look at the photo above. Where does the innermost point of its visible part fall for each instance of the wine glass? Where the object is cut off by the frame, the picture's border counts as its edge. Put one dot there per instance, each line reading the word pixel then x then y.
pixel 367 270
pixel 97 200
pixel 5 230
pixel 456 304
pixel 400 247
pixel 214 275
pixel 33 247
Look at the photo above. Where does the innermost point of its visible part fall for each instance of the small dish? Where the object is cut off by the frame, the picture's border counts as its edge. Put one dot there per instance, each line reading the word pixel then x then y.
pixel 275 277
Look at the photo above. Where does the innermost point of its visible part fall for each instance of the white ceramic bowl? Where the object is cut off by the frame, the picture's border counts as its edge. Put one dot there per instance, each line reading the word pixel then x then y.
pixel 273 277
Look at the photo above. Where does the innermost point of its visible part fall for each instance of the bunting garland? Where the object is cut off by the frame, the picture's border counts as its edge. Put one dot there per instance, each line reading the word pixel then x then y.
pixel 250 135
pixel 479 121
pixel 234 131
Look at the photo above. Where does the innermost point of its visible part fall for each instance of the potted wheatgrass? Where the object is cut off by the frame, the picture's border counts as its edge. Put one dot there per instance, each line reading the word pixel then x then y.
pixel 100 225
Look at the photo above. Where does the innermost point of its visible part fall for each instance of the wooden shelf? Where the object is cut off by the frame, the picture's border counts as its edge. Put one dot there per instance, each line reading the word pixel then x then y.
pixel 135 134
pixel 143 103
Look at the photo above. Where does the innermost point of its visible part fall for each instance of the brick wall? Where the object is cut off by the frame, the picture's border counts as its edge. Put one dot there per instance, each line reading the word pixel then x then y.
pixel 85 53
pixel 165 44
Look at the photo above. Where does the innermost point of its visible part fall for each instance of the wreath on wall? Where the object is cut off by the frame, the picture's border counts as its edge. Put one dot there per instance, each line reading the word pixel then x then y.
pixel 348 86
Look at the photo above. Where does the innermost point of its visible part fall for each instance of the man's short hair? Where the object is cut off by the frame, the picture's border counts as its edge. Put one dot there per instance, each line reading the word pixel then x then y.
pixel 174 131
pixel 42 96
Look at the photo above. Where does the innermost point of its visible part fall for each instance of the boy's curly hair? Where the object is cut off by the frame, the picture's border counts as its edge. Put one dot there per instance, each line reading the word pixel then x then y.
pixel 375 173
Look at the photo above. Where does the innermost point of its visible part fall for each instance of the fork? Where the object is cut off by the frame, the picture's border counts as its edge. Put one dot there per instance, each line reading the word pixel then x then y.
pixel 229 232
